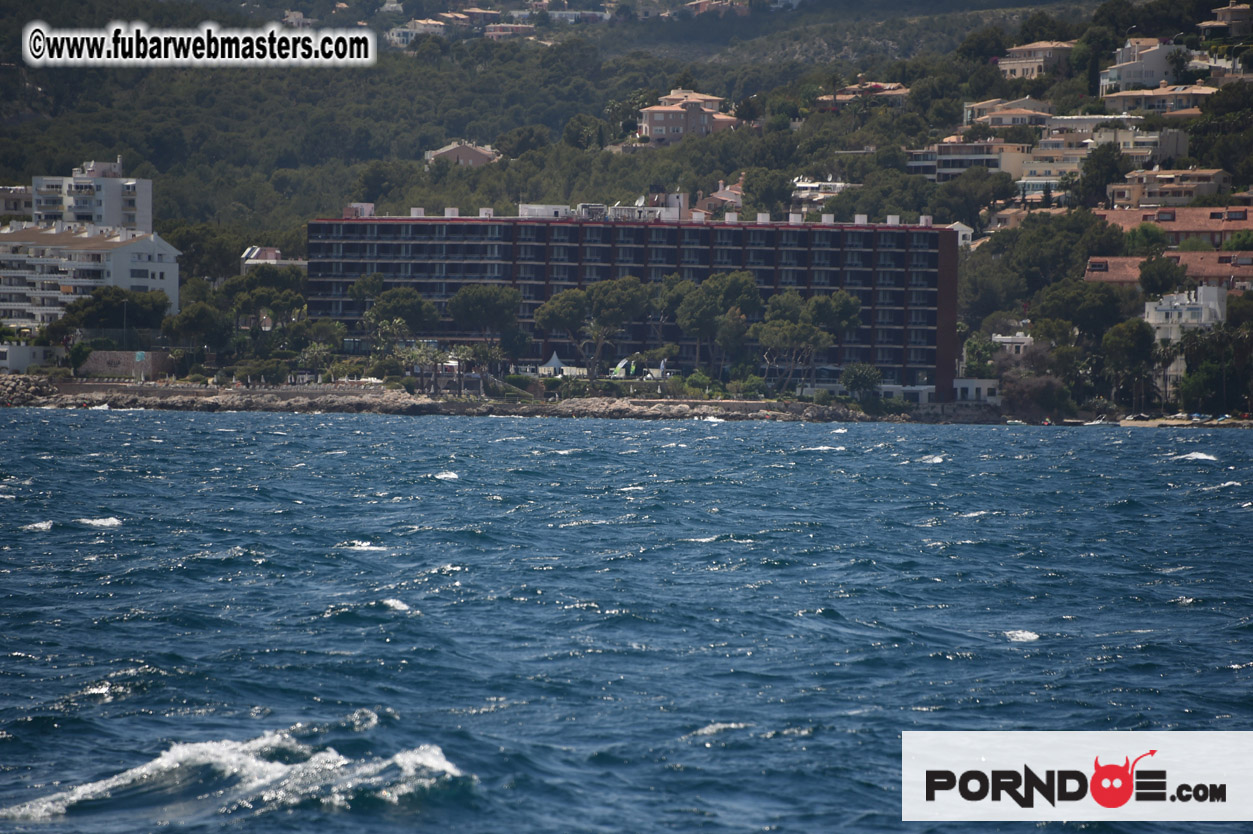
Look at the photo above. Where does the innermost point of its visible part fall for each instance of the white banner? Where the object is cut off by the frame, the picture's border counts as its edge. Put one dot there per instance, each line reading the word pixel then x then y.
pixel 1142 776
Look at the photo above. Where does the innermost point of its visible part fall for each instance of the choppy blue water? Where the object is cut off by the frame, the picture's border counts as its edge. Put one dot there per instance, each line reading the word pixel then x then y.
pixel 268 622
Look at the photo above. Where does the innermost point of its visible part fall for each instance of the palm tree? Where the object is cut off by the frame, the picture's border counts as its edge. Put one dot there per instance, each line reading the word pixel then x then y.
pixel 1164 354
pixel 464 354
pixel 598 335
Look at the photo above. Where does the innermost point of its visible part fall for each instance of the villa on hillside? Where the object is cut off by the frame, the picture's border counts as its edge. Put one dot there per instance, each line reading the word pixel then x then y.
pixel 464 153
pixel 1168 99
pixel 973 111
pixel 1034 59
pixel 683 113
pixel 1141 63
pixel 1235 20
pixel 1167 188
pixel 1014 117
pixel 402 36
pixel 948 160
pixel 891 93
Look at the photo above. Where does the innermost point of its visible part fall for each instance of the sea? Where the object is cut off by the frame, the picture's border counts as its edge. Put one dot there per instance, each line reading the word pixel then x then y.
pixel 244 622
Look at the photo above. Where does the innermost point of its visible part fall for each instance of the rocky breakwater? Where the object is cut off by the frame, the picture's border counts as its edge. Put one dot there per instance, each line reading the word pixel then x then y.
pixel 34 391
pixel 202 398
pixel 18 390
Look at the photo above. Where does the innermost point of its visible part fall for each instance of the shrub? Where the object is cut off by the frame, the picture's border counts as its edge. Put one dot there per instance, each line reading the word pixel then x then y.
pixel 50 371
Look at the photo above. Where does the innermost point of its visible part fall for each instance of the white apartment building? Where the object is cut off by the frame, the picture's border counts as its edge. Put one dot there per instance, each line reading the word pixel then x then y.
pixel 1140 63
pixel 97 193
pixel 45 268
pixel 1171 315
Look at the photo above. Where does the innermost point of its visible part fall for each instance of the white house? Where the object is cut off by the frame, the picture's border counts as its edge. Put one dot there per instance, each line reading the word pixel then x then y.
pixel 1140 63
pixel 1014 345
pixel 16 357
pixel 965 234
pixel 1171 315
pixel 45 268
pixel 97 193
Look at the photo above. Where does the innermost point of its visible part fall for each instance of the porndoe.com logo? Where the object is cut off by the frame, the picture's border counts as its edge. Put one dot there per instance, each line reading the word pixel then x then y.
pixel 1040 776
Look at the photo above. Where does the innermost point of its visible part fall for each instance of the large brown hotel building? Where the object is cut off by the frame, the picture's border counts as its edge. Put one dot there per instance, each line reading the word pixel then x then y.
pixel 905 275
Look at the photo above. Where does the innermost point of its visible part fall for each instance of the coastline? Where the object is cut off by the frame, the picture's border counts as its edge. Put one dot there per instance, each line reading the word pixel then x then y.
pixel 38 392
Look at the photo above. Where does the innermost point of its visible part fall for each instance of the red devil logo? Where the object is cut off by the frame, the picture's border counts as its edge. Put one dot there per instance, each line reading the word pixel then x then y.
pixel 1111 785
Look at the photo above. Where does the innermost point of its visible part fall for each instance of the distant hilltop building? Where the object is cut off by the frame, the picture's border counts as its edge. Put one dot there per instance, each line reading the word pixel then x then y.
pixel 297 20
pixel 464 153
pixel 402 36
pixel 1035 59
pixel 891 93
pixel 1235 20
pixel 46 268
pixel 16 202
pixel 501 31
pixel 255 256
pixel 683 113
pixel 976 111
pixel 96 193
pixel 1167 188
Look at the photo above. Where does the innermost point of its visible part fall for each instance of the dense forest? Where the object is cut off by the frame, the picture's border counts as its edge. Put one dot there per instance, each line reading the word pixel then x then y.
pixel 244 157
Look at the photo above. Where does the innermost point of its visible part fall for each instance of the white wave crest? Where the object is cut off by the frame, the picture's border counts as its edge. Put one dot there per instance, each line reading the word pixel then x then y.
pixel 358 544
pixel 38 527
pixel 445 476
pixel 931 459
pixel 263 774
pixel 1021 636
pixel 1222 486
pixel 839 431
pixel 111 521
pixel 822 448
pixel 395 605
pixel 1195 456
pixel 718 727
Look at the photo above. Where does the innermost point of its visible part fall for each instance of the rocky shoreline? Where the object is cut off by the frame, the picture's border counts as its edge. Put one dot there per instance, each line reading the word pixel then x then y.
pixel 41 393
pixel 38 392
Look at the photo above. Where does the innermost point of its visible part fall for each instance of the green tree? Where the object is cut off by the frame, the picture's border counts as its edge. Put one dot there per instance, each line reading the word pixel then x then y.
pixel 566 312
pixel 384 332
pixel 1160 275
pixel 1104 165
pixel 490 309
pixel 366 287
pixel 861 379
pixel 405 303
pixel 1241 241
pixel 1147 240
pixel 1093 307
pixel 1128 350
pixel 316 356
pixel 586 132
pixel 199 324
